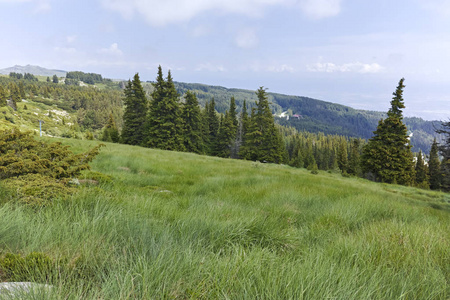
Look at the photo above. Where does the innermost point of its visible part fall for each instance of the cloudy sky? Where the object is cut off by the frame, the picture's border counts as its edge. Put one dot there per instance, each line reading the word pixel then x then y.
pixel 351 52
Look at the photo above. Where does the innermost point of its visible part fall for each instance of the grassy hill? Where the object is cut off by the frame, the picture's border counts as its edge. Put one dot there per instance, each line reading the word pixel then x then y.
pixel 178 225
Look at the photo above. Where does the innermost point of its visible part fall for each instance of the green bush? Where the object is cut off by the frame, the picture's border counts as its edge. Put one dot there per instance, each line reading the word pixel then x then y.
pixel 36 172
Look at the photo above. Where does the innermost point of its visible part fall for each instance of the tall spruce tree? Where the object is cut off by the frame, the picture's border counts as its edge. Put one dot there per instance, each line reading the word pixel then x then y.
pixel 192 124
pixel 225 137
pixel 165 128
pixel 242 129
pixel 387 156
pixel 213 124
pixel 434 167
pixel 342 159
pixel 135 113
pixel 444 150
pixel 263 141
pixel 421 172
pixel 354 161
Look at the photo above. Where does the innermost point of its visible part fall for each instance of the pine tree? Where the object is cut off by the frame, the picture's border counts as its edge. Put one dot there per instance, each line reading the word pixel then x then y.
pixel 14 93
pixel 354 162
pixel 434 167
pixel 342 159
pixel 110 132
pixel 444 150
pixel 263 141
pixel 213 124
pixel 387 156
pixel 225 137
pixel 242 130
pixel 135 112
pixel 21 90
pixel 55 79
pixel 164 124
pixel 3 96
pixel 421 172
pixel 192 124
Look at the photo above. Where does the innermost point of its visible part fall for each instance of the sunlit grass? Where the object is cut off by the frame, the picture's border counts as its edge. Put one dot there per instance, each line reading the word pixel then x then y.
pixel 178 225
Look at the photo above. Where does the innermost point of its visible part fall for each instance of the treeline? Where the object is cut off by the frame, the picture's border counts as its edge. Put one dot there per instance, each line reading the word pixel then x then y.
pixel 316 115
pixel 89 78
pixel 166 123
pixel 26 76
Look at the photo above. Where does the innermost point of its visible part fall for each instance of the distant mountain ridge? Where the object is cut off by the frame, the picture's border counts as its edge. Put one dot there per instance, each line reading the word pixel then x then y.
pixel 35 70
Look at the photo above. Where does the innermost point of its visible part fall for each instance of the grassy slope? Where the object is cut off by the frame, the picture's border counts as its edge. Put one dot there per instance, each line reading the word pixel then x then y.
pixel 28 119
pixel 182 225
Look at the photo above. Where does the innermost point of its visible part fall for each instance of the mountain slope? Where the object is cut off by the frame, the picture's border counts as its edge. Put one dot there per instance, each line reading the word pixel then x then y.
pixel 35 70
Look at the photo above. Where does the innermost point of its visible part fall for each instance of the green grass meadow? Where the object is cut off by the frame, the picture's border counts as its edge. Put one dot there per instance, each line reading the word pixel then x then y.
pixel 183 226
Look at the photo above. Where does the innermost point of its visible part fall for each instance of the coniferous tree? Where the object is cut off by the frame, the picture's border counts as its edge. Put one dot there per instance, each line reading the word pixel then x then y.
pixel 242 129
pixel 263 142
pixel 421 171
pixel 387 156
pixel 354 161
pixel 192 124
pixel 434 167
pixel 21 90
pixel 444 150
pixel 164 119
pixel 3 96
pixel 213 124
pixel 55 79
pixel 110 132
pixel 14 93
pixel 225 137
pixel 135 112
pixel 342 159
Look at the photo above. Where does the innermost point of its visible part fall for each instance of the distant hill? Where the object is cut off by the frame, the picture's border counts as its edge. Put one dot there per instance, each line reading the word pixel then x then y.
pixel 314 115
pixel 35 70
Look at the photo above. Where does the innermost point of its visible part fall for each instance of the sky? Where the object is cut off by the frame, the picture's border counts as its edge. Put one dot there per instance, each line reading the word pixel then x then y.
pixel 352 52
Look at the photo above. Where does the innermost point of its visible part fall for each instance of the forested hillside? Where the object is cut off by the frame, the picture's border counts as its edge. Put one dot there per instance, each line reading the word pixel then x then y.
pixel 315 115
pixel 97 98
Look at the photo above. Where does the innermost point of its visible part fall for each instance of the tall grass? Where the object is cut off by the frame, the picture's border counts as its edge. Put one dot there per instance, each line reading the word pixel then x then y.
pixel 177 225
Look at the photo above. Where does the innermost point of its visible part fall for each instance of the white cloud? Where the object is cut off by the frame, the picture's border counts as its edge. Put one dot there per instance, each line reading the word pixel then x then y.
pixel 112 50
pixel 210 67
pixel 246 38
pixel 355 67
pixel 319 9
pixel 160 13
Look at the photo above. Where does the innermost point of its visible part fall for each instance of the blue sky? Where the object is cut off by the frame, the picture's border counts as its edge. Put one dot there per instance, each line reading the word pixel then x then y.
pixel 351 52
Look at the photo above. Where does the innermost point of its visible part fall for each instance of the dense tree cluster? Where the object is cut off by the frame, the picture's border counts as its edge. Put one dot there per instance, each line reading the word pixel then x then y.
pixel 89 78
pixel 166 123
